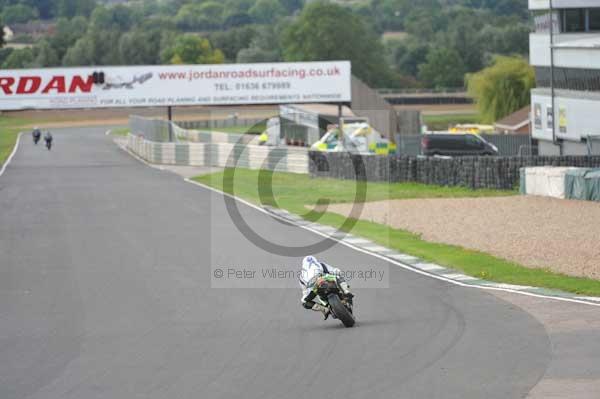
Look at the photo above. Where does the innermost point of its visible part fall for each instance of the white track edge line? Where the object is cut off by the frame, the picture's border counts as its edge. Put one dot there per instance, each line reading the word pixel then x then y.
pixel 12 154
pixel 395 262
pixel 400 264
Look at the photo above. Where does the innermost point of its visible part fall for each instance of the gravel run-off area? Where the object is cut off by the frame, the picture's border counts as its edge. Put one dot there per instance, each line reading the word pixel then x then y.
pixel 537 232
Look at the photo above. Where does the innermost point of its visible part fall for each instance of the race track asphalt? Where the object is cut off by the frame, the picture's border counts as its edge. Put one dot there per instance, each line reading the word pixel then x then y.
pixel 105 292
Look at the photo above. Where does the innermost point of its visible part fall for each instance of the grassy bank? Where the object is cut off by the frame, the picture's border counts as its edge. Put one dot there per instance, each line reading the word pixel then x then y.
pixel 9 130
pixel 296 192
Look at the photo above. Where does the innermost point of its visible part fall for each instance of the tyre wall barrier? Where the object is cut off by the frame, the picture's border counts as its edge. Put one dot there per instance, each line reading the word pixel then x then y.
pixel 501 173
pixel 293 160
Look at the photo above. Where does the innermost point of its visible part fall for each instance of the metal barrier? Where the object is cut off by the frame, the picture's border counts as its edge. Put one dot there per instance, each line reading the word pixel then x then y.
pixel 156 130
pixel 593 144
pixel 510 144
pixel 217 123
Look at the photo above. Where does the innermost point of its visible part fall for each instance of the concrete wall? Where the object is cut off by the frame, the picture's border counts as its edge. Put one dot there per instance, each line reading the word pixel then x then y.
pixel 220 155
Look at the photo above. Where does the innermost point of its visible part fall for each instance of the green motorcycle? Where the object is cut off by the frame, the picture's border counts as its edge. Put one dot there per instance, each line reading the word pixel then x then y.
pixel 328 291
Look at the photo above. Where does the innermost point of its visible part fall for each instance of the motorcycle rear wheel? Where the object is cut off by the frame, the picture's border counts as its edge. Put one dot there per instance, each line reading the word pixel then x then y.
pixel 340 311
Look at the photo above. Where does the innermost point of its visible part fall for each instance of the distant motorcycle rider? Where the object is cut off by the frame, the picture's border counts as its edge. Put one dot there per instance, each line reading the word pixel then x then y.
pixel 48 139
pixel 37 134
pixel 312 269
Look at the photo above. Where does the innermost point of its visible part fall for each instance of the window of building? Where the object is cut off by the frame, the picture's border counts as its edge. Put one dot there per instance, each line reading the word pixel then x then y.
pixel 574 20
pixel 569 78
pixel 594 19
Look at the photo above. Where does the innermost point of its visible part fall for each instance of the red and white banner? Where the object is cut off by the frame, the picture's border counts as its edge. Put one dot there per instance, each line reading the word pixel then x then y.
pixel 150 86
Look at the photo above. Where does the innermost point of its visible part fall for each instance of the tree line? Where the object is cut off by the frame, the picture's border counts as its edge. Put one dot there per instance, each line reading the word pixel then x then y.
pixel 434 43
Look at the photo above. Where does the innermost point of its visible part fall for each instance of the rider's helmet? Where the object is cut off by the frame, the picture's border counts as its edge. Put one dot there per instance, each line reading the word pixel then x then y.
pixel 311 269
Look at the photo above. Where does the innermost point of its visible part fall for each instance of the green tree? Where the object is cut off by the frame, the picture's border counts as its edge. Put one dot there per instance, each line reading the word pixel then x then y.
pixel 66 33
pixel 19 58
pixel 44 7
pixel 292 5
pixel 406 55
pixel 506 40
pixel 95 48
pixel 4 54
pixel 264 47
pixel 81 53
pixel 72 8
pixel 326 31
pixel 119 17
pixel 464 38
pixel 502 88
pixel 45 55
pixel 19 13
pixel 231 41
pixel 191 49
pixel 195 17
pixel 139 47
pixel 266 11
pixel 444 68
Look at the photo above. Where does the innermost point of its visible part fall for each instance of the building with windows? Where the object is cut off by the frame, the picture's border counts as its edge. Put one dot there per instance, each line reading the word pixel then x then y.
pixel 565 106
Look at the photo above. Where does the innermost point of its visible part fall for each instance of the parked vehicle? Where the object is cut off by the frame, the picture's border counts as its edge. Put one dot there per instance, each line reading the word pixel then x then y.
pixel 455 144
pixel 359 137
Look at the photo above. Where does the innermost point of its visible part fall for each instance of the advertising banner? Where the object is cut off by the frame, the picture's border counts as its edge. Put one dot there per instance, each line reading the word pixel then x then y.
pixel 172 85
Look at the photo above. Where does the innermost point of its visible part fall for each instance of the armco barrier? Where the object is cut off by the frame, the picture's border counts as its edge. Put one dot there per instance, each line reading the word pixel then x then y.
pixel 473 172
pixel 293 160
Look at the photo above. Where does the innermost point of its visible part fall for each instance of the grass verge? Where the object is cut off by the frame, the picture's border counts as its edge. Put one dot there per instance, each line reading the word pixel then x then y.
pixel 120 131
pixel 295 192
pixel 9 130
pixel 253 129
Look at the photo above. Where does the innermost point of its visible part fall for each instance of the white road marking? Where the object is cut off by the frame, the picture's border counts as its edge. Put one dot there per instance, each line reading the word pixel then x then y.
pixel 512 286
pixel 429 266
pixel 356 240
pixel 589 298
pixel 404 258
pixel 382 257
pixel 460 277
pixel 376 248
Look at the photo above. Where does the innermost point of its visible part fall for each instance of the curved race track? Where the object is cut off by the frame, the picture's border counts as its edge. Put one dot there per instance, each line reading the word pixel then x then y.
pixel 105 293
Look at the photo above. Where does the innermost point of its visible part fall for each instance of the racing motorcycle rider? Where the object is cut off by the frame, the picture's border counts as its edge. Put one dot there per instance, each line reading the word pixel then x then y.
pixel 48 138
pixel 37 134
pixel 312 269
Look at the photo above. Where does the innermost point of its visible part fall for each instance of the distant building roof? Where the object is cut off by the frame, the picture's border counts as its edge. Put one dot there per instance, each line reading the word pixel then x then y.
pixel 33 28
pixel 515 121
pixel 8 33
pixel 323 109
